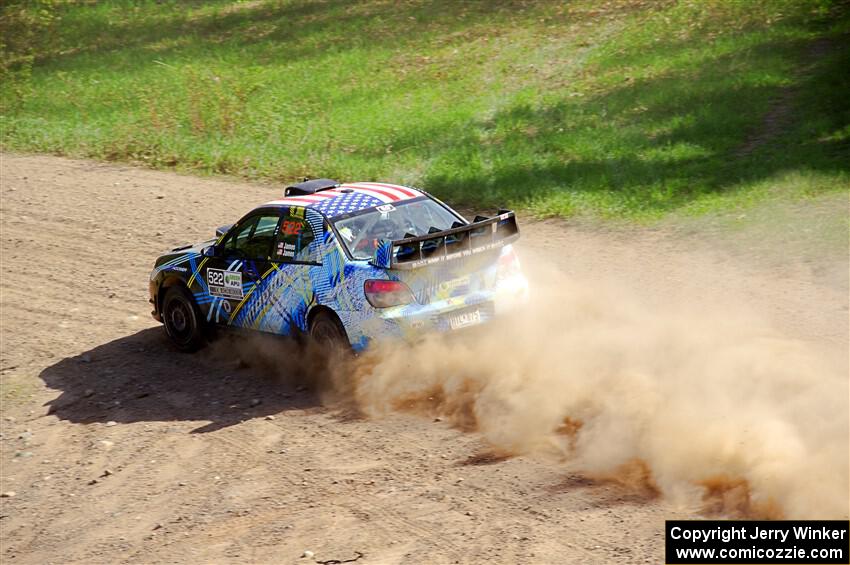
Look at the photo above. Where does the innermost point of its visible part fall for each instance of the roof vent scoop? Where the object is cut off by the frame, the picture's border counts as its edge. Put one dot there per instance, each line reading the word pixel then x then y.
pixel 310 187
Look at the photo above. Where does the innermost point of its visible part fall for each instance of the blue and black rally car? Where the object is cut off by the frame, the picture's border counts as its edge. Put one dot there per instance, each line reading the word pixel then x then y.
pixel 342 263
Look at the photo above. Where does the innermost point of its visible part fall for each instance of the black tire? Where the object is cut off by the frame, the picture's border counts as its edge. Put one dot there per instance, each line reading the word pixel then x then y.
pixel 327 331
pixel 182 320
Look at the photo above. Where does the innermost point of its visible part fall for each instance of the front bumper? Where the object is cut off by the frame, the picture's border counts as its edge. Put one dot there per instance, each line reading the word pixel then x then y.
pixel 152 289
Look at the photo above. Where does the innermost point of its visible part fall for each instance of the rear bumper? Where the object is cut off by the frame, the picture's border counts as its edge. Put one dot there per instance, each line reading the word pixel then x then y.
pixel 413 321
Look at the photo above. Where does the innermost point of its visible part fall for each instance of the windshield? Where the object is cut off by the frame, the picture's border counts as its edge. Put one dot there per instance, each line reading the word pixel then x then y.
pixel 362 233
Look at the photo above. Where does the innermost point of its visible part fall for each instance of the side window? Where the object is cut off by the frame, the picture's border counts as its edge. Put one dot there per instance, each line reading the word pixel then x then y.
pixel 253 239
pixel 295 239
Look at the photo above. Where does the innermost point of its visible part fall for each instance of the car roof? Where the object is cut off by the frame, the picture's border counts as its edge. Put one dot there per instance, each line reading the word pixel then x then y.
pixel 349 197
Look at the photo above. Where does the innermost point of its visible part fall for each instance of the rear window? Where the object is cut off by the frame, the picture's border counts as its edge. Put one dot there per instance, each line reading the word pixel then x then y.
pixel 361 233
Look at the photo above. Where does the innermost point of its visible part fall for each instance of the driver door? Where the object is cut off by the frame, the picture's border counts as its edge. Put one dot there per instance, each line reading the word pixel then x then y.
pixel 230 276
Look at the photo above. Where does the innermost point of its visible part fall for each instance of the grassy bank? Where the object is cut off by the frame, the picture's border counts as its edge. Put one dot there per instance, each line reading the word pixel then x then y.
pixel 621 108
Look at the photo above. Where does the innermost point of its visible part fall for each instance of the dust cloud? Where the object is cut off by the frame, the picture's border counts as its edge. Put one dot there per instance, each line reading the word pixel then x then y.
pixel 704 404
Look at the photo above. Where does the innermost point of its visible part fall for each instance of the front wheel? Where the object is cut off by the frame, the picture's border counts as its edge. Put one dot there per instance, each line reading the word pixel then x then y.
pixel 182 323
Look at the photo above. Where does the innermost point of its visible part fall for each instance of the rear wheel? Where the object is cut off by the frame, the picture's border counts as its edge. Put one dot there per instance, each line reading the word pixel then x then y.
pixel 181 319
pixel 327 352
pixel 326 330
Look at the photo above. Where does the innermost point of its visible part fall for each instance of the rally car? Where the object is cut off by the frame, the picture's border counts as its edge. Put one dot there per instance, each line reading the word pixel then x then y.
pixel 342 263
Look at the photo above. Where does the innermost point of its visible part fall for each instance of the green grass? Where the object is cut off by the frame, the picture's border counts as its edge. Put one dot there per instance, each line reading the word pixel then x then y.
pixel 626 109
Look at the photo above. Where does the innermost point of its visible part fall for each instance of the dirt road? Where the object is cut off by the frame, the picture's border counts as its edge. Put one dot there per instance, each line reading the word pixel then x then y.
pixel 118 449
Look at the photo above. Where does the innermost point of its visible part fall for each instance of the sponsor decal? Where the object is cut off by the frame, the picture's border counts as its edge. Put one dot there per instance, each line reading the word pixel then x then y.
pixel 225 284
pixel 178 269
pixel 448 286
pixel 458 255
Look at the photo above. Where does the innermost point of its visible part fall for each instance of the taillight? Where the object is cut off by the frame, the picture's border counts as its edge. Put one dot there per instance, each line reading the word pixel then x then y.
pixel 508 263
pixel 384 293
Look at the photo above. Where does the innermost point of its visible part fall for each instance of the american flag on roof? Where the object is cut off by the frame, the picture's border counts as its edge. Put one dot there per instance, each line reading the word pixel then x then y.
pixel 351 197
pixel 346 203
pixel 388 192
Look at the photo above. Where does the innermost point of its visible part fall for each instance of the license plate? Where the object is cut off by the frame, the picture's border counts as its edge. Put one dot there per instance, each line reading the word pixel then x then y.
pixel 465 319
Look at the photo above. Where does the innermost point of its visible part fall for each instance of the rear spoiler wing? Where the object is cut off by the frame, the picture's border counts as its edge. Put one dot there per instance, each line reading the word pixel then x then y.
pixel 483 234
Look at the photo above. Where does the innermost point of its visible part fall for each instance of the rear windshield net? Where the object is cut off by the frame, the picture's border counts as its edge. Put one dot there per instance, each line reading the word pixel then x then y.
pixel 362 233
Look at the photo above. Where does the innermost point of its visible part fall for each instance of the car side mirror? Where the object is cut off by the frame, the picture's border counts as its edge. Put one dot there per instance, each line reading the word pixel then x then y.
pixel 209 251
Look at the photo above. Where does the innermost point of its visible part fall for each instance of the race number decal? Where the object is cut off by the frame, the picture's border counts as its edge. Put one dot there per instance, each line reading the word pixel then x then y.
pixel 225 284
pixel 291 228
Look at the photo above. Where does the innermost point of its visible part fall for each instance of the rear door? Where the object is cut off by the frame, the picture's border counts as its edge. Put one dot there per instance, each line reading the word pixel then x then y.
pixel 286 295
